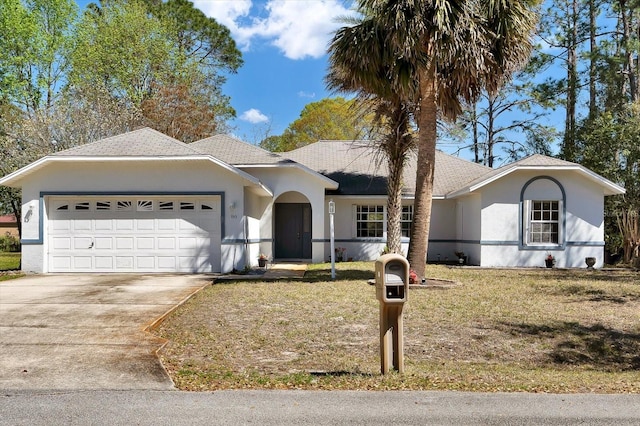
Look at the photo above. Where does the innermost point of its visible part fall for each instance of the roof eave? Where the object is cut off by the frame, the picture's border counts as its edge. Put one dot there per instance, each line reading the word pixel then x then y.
pixel 328 182
pixel 13 179
pixel 609 187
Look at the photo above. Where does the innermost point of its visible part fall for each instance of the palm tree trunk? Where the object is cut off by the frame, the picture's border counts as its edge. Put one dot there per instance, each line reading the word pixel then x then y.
pixel 427 117
pixel 394 205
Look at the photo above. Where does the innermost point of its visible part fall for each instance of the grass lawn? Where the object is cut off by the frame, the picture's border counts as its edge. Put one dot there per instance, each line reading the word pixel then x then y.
pixel 9 261
pixel 543 330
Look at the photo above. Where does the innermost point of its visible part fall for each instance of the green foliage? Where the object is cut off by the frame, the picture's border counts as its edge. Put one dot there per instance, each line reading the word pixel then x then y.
pixel 122 48
pixel 9 243
pixel 610 145
pixel 34 49
pixel 327 119
pixel 199 36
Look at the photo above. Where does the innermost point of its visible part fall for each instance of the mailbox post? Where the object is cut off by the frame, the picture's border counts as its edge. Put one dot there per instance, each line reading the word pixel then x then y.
pixel 392 287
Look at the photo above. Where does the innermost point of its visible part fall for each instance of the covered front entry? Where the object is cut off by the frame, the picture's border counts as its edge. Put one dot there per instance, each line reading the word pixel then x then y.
pixel 292 231
pixel 134 234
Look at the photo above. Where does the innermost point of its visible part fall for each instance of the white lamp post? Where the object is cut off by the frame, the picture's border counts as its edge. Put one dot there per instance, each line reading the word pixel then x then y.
pixel 332 211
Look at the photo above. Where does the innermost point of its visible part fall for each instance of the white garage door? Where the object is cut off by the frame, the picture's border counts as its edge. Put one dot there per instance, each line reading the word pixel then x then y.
pixel 134 234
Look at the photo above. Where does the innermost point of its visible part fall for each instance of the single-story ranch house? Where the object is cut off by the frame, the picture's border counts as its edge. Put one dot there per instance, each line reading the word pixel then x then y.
pixel 145 202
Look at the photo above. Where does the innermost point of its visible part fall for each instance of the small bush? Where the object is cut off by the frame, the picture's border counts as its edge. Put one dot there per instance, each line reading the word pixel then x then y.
pixel 9 243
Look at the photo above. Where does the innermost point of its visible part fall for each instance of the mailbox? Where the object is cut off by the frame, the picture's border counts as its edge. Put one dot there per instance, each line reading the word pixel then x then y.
pixel 392 279
pixel 392 286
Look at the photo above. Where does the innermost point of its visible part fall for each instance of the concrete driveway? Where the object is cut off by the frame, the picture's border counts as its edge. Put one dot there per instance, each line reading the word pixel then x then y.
pixel 87 331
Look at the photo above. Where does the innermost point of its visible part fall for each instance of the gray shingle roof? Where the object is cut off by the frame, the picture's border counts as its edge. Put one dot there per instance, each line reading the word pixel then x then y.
pixel 143 142
pixel 236 152
pixel 535 160
pixel 359 169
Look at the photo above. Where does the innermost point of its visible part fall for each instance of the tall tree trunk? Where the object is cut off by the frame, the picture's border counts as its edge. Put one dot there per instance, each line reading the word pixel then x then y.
pixel 474 124
pixel 427 119
pixel 490 129
pixel 593 51
pixel 629 66
pixel 569 142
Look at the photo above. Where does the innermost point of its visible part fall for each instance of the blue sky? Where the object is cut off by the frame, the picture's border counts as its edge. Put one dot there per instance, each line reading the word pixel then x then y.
pixel 283 44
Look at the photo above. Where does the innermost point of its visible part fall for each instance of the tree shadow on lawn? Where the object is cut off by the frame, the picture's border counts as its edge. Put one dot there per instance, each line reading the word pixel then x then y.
pixel 576 344
pixel 623 276
pixel 589 294
pixel 319 275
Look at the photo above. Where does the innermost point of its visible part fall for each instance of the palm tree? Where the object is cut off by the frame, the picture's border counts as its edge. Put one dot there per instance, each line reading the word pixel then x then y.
pixel 393 113
pixel 438 54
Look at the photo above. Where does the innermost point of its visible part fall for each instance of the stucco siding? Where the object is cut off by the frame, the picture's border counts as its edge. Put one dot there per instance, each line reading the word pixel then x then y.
pixel 293 185
pixel 503 221
pixel 131 178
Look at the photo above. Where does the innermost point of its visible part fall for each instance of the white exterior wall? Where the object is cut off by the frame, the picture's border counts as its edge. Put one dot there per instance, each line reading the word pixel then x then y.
pixel 255 208
pixel 442 232
pixel 345 229
pixel 291 185
pixel 582 235
pixel 130 178
pixel 468 228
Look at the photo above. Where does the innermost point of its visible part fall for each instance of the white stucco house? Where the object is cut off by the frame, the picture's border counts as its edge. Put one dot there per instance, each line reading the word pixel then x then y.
pixel 145 202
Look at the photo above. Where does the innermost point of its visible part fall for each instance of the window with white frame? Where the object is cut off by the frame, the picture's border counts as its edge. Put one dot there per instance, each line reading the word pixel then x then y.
pixel 406 219
pixel 370 221
pixel 543 222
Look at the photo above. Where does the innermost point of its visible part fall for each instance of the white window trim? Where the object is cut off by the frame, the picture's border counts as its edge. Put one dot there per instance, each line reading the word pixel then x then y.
pixel 526 222
pixel 354 222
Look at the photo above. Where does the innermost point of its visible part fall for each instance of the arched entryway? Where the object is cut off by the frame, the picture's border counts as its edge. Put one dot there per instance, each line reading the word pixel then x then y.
pixel 292 227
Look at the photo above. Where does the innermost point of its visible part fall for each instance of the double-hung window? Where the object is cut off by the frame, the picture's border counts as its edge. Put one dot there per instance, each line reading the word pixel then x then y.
pixel 406 220
pixel 370 221
pixel 543 225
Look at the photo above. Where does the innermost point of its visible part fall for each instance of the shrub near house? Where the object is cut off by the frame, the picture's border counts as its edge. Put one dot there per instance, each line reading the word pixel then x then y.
pixel 9 239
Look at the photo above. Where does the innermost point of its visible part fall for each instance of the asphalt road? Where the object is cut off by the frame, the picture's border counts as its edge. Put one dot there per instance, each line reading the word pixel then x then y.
pixel 313 408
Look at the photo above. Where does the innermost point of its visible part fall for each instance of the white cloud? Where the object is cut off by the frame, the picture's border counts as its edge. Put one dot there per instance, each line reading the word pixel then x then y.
pixel 299 28
pixel 254 116
pixel 302 94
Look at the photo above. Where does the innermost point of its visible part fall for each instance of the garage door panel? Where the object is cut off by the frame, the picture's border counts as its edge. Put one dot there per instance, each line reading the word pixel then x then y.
pixel 61 243
pixel 82 243
pixel 61 263
pixel 124 262
pixel 116 234
pixel 146 262
pixel 82 225
pixel 185 225
pixel 166 243
pixel 124 225
pixel 145 224
pixel 60 225
pixel 104 263
pixel 103 243
pixel 167 262
pixel 167 224
pixel 103 225
pixel 124 243
pixel 83 263
pixel 187 243
pixel 145 243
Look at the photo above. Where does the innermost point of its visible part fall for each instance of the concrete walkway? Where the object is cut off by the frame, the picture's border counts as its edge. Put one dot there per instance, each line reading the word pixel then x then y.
pixel 87 331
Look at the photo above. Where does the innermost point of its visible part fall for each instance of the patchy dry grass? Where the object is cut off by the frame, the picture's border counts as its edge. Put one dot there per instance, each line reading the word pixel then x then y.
pixel 500 330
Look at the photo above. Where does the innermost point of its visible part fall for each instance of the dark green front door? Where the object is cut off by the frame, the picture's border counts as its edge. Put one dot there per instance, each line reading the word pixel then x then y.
pixel 293 231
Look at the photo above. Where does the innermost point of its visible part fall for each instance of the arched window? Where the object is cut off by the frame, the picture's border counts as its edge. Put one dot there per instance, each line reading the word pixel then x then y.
pixel 542 202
